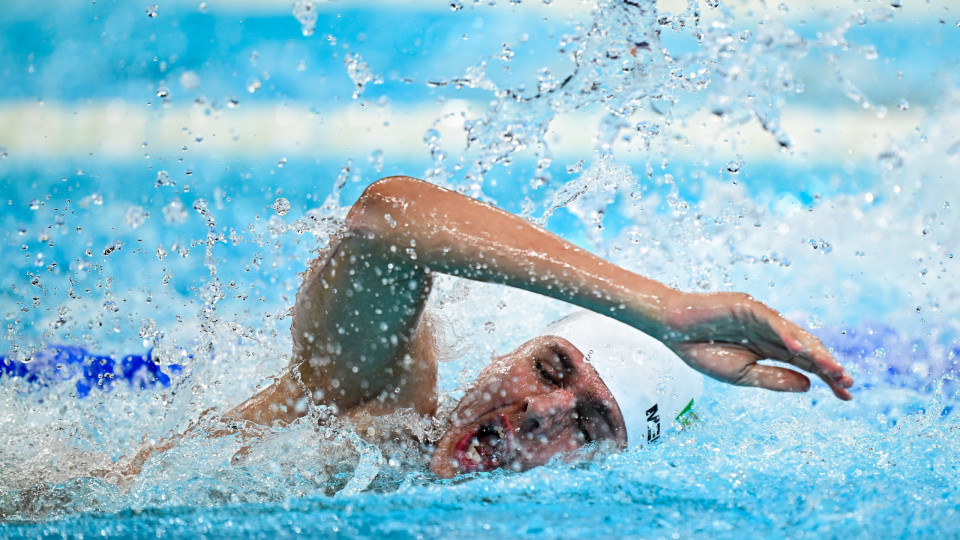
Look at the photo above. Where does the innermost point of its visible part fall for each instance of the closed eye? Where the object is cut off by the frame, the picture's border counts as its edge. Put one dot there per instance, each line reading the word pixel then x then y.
pixel 545 373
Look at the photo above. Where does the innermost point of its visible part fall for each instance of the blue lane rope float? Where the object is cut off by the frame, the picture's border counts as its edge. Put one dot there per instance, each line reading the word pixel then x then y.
pixel 69 362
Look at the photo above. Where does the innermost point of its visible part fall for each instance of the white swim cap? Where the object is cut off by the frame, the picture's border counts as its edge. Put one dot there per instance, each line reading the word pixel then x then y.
pixel 650 383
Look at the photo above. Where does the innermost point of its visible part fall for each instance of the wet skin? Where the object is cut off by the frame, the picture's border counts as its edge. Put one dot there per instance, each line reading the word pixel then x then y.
pixel 526 407
pixel 521 412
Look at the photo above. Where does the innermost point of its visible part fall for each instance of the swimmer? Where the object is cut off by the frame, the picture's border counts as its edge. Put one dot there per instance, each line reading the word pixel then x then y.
pixel 619 371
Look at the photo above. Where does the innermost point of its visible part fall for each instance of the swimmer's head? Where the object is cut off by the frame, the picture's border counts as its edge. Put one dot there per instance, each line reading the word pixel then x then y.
pixel 586 378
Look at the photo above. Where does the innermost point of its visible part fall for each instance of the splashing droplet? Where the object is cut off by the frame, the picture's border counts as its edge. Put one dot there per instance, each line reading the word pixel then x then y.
pixel 175 212
pixel 360 73
pixel 113 246
pixel 376 159
pixel 135 216
pixel 163 179
pixel 281 206
pixel 306 13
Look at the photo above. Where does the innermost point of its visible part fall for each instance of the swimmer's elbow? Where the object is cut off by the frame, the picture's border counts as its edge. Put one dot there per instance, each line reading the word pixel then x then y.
pixel 372 211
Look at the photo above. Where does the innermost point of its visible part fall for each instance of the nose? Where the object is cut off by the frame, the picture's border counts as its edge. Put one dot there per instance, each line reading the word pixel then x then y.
pixel 544 411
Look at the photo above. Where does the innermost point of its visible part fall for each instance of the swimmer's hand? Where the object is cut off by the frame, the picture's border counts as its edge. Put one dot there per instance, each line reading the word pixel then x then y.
pixel 725 335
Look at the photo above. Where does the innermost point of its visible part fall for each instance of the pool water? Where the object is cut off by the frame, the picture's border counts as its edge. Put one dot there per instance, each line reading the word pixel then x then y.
pixel 168 170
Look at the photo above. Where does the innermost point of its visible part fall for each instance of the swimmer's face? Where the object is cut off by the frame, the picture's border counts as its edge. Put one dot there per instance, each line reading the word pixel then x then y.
pixel 528 406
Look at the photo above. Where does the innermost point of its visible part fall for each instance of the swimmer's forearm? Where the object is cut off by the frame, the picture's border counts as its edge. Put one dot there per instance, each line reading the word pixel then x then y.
pixel 453 234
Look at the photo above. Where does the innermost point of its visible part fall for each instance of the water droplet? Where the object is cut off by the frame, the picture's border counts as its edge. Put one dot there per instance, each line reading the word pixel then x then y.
pixel 233 103
pixel 163 92
pixel 152 11
pixel 903 104
pixel 190 80
pixel 282 162
pixel 3 152
pixel 431 137
pixel 113 246
pixel 489 327
pixel 253 85
pixel 175 212
pixel 96 198
pixel 163 179
pixel 456 5
pixel 35 204
pixel 360 73
pixel 135 216
pixel 734 166
pixel 376 159
pixel 281 206
pixel 306 13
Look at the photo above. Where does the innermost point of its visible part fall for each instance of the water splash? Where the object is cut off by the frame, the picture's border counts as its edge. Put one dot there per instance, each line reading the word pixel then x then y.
pixel 360 73
pixel 306 13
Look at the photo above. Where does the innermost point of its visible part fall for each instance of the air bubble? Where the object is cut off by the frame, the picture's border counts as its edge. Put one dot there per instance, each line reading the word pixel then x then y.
pixel 734 166
pixel 489 327
pixel 903 104
pixel 152 11
pixel 253 85
pixel 163 92
pixel 34 204
pixel 456 5
pixel 233 103
pixel 281 206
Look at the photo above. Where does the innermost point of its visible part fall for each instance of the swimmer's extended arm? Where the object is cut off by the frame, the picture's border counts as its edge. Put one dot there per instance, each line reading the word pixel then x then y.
pixel 358 313
pixel 720 334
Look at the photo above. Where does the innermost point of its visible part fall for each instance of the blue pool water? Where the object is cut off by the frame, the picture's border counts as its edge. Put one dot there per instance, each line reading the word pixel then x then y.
pixel 167 172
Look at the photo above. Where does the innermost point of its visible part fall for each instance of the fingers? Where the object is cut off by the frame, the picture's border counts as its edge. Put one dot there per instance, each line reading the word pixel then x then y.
pixel 809 354
pixel 773 378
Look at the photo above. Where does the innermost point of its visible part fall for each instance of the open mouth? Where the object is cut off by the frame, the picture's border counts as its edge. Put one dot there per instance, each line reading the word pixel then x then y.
pixel 486 447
